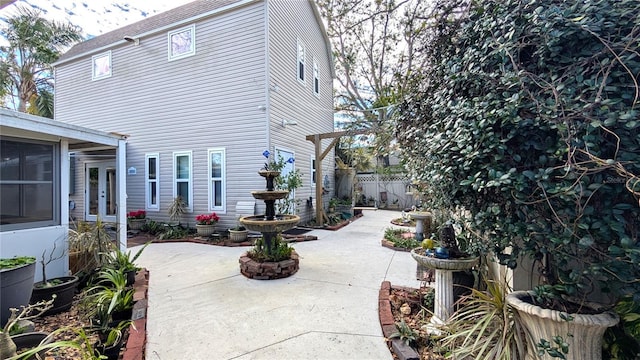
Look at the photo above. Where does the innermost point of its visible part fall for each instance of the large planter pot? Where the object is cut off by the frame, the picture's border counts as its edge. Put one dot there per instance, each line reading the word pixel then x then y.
pixel 582 332
pixel 64 289
pixel 30 340
pixel 205 230
pixel 238 235
pixel 15 288
pixel 136 224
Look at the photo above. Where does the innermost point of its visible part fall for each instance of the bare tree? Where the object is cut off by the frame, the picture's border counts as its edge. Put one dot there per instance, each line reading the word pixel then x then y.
pixel 376 46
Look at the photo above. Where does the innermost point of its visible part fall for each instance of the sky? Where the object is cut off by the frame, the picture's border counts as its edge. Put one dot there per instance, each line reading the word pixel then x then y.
pixel 96 17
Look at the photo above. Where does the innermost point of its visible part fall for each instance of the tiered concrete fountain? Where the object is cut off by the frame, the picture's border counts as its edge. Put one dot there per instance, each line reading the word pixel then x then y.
pixel 270 225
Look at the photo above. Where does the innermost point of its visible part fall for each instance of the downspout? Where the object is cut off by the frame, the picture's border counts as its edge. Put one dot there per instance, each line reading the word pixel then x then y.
pixel 267 70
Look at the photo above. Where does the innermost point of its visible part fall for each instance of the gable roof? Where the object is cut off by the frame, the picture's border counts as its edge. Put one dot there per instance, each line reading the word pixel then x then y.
pixel 169 19
pixel 157 23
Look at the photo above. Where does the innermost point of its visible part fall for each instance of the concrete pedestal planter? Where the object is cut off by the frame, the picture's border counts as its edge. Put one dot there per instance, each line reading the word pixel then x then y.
pixel 136 224
pixel 582 332
pixel 15 288
pixel 205 230
pixel 238 235
pixel 64 288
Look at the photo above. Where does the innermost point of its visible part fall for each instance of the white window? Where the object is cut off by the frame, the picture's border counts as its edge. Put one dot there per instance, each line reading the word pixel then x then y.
pixel 217 175
pixel 101 66
pixel 182 42
pixel 316 78
pixel 152 184
pixel 182 184
pixel 301 61
pixel 313 171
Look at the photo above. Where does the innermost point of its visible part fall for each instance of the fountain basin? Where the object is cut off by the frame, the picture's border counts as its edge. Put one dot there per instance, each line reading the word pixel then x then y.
pixel 456 264
pixel 270 195
pixel 260 224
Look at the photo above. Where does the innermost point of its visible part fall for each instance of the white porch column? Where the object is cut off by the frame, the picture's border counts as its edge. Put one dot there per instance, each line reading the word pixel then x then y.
pixel 121 191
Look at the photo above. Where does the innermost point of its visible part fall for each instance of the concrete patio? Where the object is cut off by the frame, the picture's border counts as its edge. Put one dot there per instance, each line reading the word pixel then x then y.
pixel 201 307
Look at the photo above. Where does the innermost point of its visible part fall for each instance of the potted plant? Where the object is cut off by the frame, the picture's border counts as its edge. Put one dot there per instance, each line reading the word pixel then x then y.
pixel 123 261
pixel 61 289
pixel 89 245
pixel 177 209
pixel 543 160
pixel 16 283
pixel 206 223
pixel 238 233
pixel 11 344
pixel 136 219
pixel 332 205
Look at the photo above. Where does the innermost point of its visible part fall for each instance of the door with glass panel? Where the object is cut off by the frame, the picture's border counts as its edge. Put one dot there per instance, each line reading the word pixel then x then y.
pixel 100 191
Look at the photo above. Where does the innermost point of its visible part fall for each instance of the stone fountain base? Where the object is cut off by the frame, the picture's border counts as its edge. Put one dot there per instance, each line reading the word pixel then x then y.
pixel 269 270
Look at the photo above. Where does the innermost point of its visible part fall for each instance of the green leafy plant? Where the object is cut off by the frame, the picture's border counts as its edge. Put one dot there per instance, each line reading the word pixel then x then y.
pixel 122 260
pixel 153 227
pixel 526 119
pixel 622 342
pixel 14 262
pixel 405 333
pixel 88 246
pixel 485 327
pixel 279 250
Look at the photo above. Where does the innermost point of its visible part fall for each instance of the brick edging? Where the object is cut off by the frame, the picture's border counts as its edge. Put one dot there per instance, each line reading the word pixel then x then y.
pixel 137 339
pixel 387 322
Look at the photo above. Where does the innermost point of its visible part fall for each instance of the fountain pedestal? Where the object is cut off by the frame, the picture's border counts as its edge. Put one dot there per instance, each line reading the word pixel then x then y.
pixel 444 300
pixel 270 225
pixel 420 217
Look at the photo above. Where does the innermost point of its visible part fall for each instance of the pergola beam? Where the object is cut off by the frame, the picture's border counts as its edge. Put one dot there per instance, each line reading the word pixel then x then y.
pixel 320 154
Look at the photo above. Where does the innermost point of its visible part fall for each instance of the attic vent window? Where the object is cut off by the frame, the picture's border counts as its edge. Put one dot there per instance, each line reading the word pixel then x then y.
pixel 182 42
pixel 101 66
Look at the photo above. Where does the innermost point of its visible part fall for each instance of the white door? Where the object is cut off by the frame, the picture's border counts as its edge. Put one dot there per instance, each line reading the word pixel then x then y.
pixel 100 191
pixel 288 167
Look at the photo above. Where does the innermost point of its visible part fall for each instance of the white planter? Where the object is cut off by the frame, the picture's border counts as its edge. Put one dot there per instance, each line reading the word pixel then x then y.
pixel 205 230
pixel 587 330
pixel 136 224
pixel 238 235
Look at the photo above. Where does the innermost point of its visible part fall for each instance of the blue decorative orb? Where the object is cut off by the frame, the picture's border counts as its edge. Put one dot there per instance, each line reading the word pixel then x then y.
pixel 442 253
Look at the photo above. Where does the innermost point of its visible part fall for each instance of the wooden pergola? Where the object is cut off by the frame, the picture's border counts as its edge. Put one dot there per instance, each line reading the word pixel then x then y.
pixel 316 139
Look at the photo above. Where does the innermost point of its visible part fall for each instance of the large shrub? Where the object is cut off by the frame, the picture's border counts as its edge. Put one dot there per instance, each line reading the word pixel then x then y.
pixel 527 118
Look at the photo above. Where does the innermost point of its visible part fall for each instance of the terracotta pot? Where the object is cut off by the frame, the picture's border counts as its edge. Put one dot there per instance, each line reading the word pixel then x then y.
pixel 586 330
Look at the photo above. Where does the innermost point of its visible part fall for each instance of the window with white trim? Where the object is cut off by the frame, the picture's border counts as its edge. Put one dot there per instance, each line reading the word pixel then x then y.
pixel 182 184
pixel 301 61
pixel 316 78
pixel 217 175
pixel 152 183
pixel 182 42
pixel 101 66
pixel 313 171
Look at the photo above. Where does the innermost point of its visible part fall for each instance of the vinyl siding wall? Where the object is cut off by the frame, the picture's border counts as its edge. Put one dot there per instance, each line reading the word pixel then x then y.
pixel 288 22
pixel 209 100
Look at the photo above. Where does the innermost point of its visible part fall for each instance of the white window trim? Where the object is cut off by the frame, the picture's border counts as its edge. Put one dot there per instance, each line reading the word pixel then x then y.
pixel 93 66
pixel 312 171
pixel 192 50
pixel 301 60
pixel 316 78
pixel 190 180
pixel 222 209
pixel 147 182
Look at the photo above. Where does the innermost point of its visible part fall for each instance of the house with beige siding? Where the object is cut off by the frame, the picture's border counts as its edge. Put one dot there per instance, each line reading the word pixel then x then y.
pixel 200 91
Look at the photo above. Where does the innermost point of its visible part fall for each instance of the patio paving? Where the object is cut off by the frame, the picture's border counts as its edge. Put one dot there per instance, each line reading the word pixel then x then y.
pixel 201 307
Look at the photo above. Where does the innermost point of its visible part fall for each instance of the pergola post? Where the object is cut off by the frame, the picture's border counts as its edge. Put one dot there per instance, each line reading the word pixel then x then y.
pixel 320 154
